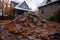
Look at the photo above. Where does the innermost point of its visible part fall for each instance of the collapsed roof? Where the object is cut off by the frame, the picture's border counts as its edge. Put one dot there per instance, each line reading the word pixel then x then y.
pixel 29 26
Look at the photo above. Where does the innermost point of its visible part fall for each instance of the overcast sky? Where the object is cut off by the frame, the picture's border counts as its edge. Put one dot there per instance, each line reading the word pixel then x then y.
pixel 32 3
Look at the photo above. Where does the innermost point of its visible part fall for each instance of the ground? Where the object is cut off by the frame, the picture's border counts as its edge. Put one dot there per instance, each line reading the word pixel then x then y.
pixel 52 23
pixel 55 23
pixel 2 22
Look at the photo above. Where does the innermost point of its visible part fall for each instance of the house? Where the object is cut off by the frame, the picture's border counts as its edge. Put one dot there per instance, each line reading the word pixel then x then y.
pixel 20 8
pixel 13 4
pixel 50 9
pixel 23 6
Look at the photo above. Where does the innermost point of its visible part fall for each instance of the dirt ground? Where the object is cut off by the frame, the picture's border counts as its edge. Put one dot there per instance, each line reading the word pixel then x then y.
pixel 55 23
pixel 4 22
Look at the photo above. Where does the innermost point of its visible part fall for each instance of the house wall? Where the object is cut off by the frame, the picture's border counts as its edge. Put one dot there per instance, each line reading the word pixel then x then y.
pixel 17 12
pixel 49 11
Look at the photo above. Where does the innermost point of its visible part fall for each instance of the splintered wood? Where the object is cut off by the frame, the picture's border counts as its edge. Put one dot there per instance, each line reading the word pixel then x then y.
pixel 30 26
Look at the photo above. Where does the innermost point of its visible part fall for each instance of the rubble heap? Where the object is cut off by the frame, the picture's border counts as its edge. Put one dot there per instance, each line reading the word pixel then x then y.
pixel 28 26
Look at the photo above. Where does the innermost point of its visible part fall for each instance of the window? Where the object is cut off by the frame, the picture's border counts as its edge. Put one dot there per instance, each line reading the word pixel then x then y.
pixel 42 11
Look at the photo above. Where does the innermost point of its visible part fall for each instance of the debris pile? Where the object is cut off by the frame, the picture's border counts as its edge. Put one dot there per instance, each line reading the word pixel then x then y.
pixel 28 26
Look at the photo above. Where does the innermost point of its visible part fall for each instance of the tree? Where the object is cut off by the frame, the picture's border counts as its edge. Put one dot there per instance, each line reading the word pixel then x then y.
pixel 7 9
pixel 4 6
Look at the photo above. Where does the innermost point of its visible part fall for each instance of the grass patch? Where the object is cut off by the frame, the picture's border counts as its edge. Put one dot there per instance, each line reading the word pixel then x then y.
pixel 4 20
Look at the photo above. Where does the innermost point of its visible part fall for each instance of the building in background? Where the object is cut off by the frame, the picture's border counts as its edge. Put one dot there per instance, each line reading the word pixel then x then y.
pixel 50 9
pixel 19 9
pixel 13 5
